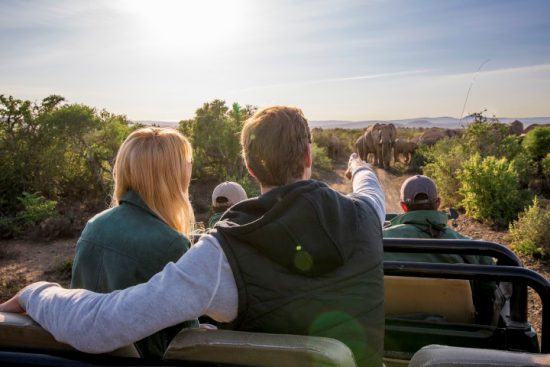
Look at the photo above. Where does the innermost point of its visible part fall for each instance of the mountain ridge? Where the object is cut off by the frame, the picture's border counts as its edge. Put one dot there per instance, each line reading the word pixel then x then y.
pixel 424 122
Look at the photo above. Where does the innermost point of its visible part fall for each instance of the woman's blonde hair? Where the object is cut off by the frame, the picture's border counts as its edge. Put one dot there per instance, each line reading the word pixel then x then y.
pixel 156 164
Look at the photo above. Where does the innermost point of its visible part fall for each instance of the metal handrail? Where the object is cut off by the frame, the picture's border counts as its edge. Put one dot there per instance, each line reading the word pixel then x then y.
pixel 503 254
pixel 513 274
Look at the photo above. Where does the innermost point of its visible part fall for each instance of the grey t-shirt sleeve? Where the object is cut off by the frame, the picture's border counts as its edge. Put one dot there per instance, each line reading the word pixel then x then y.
pixel 199 283
pixel 366 187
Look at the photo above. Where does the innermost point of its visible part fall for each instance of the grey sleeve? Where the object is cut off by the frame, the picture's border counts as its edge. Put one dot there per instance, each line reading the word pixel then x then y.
pixel 200 283
pixel 366 187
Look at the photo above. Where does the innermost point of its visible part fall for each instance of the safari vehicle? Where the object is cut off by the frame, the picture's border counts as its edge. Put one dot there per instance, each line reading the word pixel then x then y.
pixel 448 336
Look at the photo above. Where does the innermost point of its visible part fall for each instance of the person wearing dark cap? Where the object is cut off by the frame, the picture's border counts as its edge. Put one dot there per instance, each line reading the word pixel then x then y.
pixel 422 219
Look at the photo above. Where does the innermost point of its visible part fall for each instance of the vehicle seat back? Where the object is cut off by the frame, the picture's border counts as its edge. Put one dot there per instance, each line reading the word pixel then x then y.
pixel 449 298
pixel 445 356
pixel 21 332
pixel 257 349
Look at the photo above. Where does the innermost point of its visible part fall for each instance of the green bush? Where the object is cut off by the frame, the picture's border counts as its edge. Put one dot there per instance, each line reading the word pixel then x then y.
pixel 419 159
pixel 214 134
pixel 545 165
pixel 445 159
pixel 63 151
pixel 490 189
pixel 537 142
pixel 249 185
pixel 321 159
pixel 530 234
pixel 36 208
pixel 525 167
pixel 488 137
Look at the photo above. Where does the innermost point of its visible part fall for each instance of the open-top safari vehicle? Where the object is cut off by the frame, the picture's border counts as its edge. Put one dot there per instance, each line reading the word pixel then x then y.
pixel 447 334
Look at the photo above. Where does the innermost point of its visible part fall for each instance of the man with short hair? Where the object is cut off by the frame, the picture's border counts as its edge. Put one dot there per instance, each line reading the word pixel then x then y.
pixel 299 259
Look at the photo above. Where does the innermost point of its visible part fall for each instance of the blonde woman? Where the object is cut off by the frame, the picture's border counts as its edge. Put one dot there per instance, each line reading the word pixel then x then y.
pixel 147 226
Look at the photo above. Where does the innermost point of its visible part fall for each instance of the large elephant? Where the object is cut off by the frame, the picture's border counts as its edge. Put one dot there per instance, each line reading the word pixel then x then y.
pixel 405 148
pixel 365 144
pixel 384 138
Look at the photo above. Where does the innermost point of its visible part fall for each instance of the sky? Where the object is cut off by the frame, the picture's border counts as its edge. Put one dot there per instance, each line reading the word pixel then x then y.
pixel 337 60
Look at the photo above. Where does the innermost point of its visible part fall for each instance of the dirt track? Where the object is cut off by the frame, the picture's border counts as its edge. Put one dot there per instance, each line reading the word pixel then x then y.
pixel 390 180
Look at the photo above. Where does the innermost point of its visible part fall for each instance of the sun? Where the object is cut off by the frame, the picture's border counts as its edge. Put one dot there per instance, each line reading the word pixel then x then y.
pixel 186 22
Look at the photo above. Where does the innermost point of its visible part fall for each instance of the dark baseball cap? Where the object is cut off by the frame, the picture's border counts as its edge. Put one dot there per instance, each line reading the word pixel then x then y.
pixel 415 185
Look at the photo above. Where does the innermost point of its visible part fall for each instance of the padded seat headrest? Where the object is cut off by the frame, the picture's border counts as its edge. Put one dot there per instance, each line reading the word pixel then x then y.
pixel 257 349
pixel 444 356
pixel 21 332
pixel 449 298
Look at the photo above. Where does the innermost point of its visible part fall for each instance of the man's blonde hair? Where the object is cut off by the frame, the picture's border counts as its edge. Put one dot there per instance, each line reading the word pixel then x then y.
pixel 156 164
pixel 275 142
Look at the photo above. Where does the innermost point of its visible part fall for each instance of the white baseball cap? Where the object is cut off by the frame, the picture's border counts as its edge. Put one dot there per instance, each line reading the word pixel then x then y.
pixel 232 191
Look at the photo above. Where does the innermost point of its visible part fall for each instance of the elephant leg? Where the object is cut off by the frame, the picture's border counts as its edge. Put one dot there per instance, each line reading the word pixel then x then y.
pixel 378 157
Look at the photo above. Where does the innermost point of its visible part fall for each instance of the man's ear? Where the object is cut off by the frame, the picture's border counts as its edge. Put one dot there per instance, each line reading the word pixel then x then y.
pixel 404 207
pixel 308 159
pixel 250 172
pixel 437 203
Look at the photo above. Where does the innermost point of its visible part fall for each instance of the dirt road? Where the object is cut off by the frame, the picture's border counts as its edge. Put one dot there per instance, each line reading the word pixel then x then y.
pixel 390 180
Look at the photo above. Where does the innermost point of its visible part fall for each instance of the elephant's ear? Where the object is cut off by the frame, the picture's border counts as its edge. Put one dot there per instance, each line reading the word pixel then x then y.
pixel 393 133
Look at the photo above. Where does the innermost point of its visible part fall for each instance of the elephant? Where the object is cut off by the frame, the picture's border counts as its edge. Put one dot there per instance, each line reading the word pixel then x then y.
pixel 405 148
pixel 384 138
pixel 365 144
pixel 378 140
pixel 334 147
pixel 433 135
pixel 516 128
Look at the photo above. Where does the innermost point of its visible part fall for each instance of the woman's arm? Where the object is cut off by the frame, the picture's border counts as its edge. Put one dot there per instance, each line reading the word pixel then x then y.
pixel 201 282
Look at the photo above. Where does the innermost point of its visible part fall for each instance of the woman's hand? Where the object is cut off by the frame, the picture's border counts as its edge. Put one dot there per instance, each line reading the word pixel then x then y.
pixel 12 305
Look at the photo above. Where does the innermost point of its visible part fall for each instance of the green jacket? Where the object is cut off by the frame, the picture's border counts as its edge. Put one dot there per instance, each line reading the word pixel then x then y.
pixel 417 224
pixel 215 218
pixel 124 246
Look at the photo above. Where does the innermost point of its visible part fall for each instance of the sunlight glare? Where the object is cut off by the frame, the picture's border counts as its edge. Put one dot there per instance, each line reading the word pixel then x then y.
pixel 173 22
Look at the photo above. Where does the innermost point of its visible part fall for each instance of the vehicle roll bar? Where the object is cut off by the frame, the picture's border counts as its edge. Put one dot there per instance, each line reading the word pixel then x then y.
pixel 513 274
pixel 503 254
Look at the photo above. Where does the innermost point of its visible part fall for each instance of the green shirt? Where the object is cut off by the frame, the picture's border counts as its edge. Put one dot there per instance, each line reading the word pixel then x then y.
pixel 417 224
pixel 215 218
pixel 124 246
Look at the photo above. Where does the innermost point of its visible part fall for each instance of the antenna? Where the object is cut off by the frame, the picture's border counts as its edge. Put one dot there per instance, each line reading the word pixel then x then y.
pixel 471 85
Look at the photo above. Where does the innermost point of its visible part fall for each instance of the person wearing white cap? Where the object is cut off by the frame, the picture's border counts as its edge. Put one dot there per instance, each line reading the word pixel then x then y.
pixel 224 196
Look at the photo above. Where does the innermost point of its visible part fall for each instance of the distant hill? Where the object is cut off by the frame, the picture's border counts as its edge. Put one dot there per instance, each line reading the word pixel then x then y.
pixel 444 122
pixel 157 123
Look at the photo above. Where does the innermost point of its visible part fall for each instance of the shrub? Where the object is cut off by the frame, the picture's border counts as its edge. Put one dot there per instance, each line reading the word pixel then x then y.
pixel 490 189
pixel 36 208
pixel 545 165
pixel 214 133
pixel 249 185
pixel 321 159
pixel 530 234
pixel 488 137
pixel 537 142
pixel 419 159
pixel 444 161
pixel 525 167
